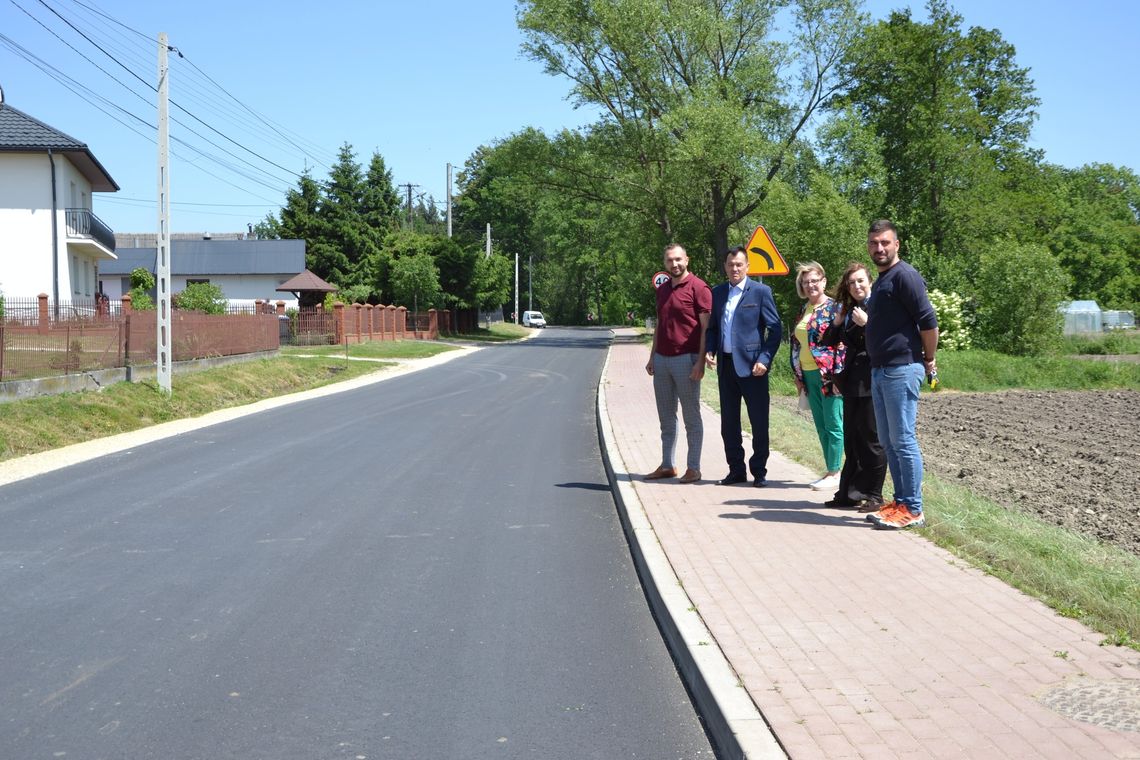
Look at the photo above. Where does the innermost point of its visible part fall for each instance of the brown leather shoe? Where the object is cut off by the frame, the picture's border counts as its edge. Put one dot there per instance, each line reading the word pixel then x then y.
pixel 867 506
pixel 661 473
pixel 691 476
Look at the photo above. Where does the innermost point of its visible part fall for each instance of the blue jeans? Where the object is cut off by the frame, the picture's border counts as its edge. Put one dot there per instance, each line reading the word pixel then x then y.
pixel 895 394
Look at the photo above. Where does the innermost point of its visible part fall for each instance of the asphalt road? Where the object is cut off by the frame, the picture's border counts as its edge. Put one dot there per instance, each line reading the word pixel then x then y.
pixel 428 567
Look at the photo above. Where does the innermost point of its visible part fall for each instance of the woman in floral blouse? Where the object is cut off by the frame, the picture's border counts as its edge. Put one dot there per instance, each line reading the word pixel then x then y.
pixel 815 366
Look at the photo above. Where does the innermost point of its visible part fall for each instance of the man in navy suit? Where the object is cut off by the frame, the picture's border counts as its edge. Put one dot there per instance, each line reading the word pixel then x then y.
pixel 743 336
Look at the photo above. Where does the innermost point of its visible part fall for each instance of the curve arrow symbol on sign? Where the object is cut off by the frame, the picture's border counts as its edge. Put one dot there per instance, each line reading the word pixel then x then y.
pixel 767 258
pixel 763 258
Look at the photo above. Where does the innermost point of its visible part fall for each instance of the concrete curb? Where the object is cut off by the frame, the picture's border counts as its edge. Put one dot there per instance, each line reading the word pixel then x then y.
pixel 732 719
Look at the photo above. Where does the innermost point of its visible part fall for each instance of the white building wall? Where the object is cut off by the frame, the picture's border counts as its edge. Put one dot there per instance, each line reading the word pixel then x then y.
pixel 26 228
pixel 25 224
pixel 113 286
pixel 243 289
pixel 80 280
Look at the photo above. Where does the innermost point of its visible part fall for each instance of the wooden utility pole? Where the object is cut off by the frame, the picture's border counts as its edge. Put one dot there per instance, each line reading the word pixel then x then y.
pixel 409 186
pixel 449 199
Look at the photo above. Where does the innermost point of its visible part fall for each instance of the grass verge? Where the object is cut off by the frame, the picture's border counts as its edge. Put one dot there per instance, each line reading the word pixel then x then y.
pixel 977 370
pixel 498 332
pixel 379 349
pixel 1115 342
pixel 983 371
pixel 1076 576
pixel 39 424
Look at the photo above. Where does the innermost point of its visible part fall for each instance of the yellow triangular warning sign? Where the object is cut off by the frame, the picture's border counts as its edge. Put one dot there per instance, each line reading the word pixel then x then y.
pixel 763 258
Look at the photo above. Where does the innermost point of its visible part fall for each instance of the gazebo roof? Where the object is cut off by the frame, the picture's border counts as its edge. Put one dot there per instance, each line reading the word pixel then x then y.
pixel 306 282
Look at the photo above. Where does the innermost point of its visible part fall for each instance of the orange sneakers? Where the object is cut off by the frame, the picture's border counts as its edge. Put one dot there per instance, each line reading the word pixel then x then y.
pixel 884 512
pixel 897 519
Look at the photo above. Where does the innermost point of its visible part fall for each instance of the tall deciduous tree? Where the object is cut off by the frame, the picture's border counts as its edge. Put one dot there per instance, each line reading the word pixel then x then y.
pixel 952 111
pixel 697 115
pixel 1032 274
pixel 1095 232
pixel 492 281
pixel 415 281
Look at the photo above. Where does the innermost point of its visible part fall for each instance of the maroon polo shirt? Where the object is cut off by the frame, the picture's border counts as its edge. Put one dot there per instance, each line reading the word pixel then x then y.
pixel 678 310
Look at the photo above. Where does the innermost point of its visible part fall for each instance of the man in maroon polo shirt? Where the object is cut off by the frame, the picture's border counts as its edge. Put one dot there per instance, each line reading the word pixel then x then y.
pixel 677 362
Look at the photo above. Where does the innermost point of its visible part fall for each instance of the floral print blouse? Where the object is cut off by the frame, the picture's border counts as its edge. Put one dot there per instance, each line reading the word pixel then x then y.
pixel 829 359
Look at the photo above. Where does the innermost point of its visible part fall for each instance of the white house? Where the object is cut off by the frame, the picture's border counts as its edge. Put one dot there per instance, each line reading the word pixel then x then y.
pixel 50 241
pixel 244 270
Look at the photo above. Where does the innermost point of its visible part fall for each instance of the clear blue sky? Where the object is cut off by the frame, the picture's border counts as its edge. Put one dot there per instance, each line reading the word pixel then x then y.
pixel 423 83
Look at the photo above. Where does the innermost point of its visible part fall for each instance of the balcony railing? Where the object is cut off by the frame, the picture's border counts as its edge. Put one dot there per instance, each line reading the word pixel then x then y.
pixel 82 223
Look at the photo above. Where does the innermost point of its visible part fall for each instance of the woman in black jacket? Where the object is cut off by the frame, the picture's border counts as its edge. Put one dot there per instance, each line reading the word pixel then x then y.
pixel 864 464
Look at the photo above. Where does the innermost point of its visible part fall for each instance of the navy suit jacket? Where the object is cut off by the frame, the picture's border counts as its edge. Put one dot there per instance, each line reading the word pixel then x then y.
pixel 756 326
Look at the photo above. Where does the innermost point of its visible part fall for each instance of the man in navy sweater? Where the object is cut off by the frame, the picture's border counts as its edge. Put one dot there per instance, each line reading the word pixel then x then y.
pixel 902 338
pixel 743 335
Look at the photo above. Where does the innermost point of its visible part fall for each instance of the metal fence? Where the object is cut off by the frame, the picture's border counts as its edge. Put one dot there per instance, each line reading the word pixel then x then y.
pixel 35 311
pixel 309 328
pixel 40 339
pixel 27 352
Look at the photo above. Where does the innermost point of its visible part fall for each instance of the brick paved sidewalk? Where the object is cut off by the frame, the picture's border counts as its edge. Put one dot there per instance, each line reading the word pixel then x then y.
pixel 861 643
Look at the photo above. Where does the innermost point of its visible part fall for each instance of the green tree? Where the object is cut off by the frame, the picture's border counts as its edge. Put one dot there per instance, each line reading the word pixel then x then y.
pixel 142 283
pixel 346 227
pixel 696 118
pixel 300 219
pixel 492 281
pixel 1095 232
pixel 497 185
pixel 1020 286
pixel 952 111
pixel 205 297
pixel 379 201
pixel 415 282
pixel 852 154
pixel 814 224
pixel 342 220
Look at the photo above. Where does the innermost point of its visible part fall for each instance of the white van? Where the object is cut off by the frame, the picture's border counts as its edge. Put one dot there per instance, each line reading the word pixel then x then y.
pixel 533 319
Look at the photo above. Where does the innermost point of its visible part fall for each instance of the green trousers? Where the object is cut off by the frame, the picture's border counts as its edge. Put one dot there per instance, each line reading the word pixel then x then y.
pixel 827 412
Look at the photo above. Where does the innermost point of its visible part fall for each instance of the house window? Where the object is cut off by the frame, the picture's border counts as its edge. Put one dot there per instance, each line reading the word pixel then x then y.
pixel 74 275
pixel 196 282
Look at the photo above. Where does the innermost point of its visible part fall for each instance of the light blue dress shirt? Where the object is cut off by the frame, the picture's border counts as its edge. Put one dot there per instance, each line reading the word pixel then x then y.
pixel 734 294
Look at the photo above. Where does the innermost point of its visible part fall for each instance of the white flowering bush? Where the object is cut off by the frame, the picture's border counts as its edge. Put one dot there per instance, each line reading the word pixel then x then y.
pixel 953 331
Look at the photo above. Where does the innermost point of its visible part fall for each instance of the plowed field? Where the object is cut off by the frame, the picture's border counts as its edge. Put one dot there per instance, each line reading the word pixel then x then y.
pixel 1070 457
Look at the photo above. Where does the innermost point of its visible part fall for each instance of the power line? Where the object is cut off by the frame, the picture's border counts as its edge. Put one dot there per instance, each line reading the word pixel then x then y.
pixel 77 52
pixel 140 97
pixel 106 34
pixel 74 86
pixel 185 110
pixel 86 94
pixel 96 11
pixel 191 203
pixel 93 43
pixel 253 113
